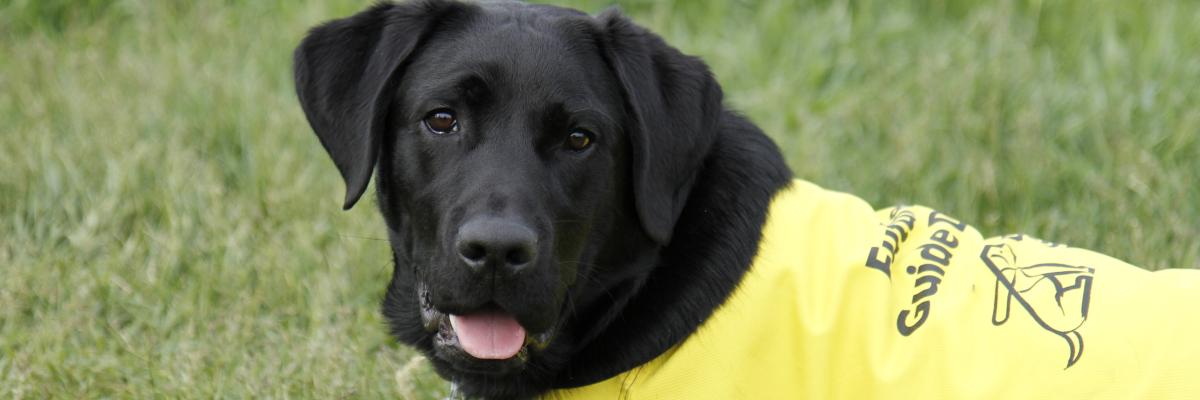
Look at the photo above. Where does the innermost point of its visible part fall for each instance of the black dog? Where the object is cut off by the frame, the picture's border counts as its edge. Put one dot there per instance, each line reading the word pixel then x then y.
pixel 566 196
pixel 570 205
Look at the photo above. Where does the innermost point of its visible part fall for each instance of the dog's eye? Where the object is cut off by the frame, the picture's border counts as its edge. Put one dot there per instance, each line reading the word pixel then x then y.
pixel 441 121
pixel 579 140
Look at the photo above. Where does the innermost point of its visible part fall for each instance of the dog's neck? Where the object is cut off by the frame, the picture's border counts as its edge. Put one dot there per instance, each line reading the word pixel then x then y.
pixel 714 244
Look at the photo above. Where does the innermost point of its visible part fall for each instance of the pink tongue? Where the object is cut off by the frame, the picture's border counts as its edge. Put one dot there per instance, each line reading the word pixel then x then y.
pixel 488 335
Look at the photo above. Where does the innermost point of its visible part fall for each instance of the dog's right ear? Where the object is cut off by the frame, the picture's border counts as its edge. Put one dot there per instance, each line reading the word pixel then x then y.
pixel 346 72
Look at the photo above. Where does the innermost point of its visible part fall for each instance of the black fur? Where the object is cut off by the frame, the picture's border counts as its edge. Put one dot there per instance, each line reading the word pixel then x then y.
pixel 640 237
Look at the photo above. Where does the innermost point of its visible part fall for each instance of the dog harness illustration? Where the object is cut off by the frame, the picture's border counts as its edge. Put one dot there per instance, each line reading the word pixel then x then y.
pixel 1055 295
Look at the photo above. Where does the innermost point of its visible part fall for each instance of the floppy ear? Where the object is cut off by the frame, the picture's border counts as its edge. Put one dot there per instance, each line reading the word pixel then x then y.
pixel 675 108
pixel 345 73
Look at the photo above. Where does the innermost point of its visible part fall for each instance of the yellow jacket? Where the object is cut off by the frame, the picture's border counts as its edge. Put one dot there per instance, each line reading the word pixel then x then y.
pixel 844 302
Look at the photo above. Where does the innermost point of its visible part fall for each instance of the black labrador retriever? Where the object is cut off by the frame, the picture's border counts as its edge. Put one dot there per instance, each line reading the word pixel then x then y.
pixel 568 201
pixel 566 196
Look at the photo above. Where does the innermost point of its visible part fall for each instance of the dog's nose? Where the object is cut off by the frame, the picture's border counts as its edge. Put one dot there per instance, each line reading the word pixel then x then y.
pixel 496 243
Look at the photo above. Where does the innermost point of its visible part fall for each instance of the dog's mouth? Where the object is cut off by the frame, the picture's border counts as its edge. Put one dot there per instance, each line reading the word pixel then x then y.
pixel 486 340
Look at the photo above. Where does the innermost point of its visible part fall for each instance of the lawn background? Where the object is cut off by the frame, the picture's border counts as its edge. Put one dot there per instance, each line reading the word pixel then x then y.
pixel 170 227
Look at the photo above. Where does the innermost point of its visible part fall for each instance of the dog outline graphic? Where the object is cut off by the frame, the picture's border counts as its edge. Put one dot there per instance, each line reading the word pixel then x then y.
pixel 1061 313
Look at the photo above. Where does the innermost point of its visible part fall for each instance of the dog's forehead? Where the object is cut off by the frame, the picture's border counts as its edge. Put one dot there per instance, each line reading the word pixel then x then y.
pixel 532 49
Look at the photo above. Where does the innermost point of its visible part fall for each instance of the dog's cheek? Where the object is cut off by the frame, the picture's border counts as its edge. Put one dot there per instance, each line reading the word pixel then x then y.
pixel 590 177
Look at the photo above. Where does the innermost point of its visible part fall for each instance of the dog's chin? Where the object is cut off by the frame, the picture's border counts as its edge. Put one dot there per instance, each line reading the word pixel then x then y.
pixel 449 349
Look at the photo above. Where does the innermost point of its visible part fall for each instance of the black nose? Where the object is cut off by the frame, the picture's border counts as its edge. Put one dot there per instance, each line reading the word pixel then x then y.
pixel 496 243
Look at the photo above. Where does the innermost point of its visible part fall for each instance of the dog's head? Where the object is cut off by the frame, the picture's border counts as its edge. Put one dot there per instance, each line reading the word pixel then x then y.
pixel 529 159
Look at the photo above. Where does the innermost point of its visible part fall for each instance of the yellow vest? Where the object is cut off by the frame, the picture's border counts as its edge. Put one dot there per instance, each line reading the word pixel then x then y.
pixel 844 302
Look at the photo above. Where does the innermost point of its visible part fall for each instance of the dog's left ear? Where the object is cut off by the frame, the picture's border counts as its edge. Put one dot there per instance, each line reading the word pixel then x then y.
pixel 675 107
pixel 345 74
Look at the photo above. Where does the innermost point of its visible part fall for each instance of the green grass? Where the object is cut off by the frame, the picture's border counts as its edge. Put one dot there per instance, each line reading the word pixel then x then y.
pixel 169 226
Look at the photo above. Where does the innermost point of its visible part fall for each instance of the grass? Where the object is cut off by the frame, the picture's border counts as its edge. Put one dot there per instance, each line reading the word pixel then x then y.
pixel 169 226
